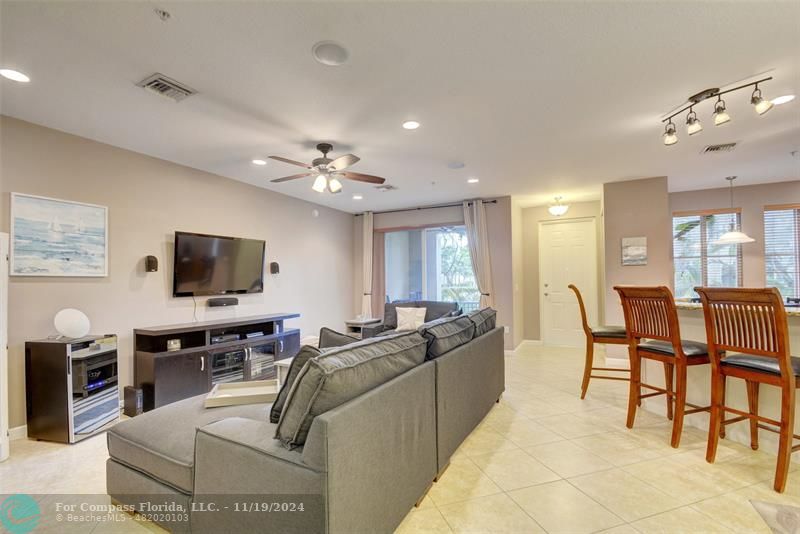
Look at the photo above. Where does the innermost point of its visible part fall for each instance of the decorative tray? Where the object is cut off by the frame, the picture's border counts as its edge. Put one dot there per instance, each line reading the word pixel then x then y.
pixel 235 393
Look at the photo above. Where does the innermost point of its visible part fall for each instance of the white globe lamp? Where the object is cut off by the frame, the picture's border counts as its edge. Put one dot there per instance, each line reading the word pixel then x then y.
pixel 72 323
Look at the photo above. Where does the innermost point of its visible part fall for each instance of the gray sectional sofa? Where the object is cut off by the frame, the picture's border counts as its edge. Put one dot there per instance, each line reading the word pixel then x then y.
pixel 361 468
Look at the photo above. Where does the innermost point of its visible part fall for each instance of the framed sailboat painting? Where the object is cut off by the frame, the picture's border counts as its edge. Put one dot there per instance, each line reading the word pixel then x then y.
pixel 52 237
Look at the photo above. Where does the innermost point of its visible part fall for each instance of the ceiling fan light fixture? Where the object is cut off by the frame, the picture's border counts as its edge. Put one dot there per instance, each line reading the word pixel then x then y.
pixel 320 184
pixel 334 185
pixel 720 114
pixel 558 209
pixel 761 105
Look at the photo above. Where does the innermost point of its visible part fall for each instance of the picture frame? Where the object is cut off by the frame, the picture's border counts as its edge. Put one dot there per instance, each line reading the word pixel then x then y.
pixel 634 251
pixel 53 237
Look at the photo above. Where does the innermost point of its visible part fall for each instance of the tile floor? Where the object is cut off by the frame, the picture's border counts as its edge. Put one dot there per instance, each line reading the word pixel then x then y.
pixel 541 461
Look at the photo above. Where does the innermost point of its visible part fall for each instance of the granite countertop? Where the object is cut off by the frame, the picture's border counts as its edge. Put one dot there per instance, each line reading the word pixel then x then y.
pixel 683 305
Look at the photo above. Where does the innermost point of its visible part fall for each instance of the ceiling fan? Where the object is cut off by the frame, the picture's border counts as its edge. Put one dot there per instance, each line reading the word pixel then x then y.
pixel 328 171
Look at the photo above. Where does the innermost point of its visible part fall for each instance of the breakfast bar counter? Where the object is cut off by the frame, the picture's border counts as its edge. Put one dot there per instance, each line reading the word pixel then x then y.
pixel 692 324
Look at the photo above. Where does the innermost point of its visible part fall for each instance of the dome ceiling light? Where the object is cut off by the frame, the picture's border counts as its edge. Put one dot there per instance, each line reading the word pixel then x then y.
pixel 558 209
pixel 720 115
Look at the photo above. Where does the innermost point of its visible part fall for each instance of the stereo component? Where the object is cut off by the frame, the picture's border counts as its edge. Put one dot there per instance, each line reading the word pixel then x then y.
pixel 222 301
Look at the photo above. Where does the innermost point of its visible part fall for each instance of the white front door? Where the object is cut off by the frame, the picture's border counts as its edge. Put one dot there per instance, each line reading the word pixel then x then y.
pixel 567 255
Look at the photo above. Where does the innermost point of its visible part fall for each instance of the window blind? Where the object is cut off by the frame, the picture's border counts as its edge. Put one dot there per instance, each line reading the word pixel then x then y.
pixel 697 261
pixel 782 249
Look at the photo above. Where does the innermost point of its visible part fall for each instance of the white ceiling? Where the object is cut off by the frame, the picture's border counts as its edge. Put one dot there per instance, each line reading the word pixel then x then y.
pixel 537 99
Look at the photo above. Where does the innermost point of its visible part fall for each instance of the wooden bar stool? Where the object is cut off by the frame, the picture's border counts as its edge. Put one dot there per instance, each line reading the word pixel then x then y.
pixel 751 324
pixel 651 321
pixel 607 335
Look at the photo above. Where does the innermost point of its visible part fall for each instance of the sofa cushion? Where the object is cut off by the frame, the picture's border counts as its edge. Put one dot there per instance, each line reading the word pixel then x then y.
pixel 306 352
pixel 331 338
pixel 342 374
pixel 160 442
pixel 446 334
pixel 485 320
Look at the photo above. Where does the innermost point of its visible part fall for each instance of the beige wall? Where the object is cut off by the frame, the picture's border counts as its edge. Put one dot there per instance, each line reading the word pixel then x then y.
pixel 637 208
pixel 751 199
pixel 148 199
pixel 518 271
pixel 498 220
pixel 531 217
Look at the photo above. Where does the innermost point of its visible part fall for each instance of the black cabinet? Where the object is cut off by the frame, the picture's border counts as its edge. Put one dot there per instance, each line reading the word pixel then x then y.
pixel 211 353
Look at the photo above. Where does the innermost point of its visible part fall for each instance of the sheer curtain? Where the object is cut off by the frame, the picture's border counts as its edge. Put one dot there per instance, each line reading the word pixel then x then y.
pixel 366 266
pixel 478 239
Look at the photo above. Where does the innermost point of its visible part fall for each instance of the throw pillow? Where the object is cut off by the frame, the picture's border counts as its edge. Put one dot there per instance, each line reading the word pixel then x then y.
pixel 331 338
pixel 306 353
pixel 410 318
pixel 342 374
pixel 446 334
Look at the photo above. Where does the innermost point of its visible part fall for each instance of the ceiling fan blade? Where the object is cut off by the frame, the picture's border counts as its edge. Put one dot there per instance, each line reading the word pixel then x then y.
pixel 292 177
pixel 291 162
pixel 342 162
pixel 357 176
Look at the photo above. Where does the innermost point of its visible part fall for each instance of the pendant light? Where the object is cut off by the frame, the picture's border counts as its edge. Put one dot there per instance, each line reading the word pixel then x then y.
pixel 733 236
pixel 720 114
pixel 558 209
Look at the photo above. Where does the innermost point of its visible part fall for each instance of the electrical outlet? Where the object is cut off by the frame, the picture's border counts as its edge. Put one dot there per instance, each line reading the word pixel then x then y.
pixel 506 330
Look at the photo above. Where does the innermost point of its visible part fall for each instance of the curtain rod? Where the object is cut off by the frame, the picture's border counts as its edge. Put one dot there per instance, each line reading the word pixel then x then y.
pixel 427 207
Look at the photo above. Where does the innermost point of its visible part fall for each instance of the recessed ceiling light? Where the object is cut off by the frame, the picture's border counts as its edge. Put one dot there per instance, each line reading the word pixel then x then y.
pixel 357 197
pixel 785 99
pixel 473 181
pixel 259 162
pixel 411 125
pixel 330 53
pixel 14 75
pixel 455 165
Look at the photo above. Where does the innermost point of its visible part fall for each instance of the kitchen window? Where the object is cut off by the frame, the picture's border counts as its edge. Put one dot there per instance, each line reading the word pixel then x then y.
pixel 782 249
pixel 697 260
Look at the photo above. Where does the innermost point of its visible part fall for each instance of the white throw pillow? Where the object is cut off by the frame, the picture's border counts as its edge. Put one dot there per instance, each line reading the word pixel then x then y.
pixel 410 318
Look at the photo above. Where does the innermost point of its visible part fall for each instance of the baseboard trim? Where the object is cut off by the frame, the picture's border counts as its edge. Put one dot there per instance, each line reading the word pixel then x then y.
pixel 18 432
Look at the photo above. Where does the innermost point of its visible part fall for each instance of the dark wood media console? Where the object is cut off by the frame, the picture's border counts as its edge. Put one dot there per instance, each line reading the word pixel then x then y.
pixel 210 352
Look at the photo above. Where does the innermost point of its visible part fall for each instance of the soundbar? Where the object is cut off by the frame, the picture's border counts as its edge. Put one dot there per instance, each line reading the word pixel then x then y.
pixel 222 301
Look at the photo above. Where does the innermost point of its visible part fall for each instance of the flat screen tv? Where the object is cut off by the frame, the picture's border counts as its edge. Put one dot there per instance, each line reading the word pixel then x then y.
pixel 217 265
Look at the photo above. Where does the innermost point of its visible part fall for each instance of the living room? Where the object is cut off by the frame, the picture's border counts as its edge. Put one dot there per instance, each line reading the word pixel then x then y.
pixel 414 219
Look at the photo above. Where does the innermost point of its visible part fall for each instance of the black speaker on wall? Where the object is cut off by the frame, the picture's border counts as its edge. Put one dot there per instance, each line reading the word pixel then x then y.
pixel 151 264
pixel 274 268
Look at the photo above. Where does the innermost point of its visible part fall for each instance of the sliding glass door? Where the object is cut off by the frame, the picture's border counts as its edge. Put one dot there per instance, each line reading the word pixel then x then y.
pixel 430 264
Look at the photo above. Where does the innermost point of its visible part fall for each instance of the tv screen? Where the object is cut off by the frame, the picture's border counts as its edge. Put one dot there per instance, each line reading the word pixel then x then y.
pixel 217 265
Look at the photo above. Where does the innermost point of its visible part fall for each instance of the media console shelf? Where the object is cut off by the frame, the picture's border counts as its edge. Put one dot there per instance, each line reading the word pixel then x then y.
pixel 210 352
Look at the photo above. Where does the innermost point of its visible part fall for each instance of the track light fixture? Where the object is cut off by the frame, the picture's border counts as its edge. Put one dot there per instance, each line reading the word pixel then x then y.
pixel 670 137
pixel 762 106
pixel 693 125
pixel 720 115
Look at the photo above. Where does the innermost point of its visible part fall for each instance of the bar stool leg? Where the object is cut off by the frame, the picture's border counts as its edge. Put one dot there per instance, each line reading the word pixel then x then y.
pixel 635 389
pixel 752 404
pixel 680 404
pixel 723 384
pixel 785 442
pixel 715 426
pixel 587 367
pixel 668 368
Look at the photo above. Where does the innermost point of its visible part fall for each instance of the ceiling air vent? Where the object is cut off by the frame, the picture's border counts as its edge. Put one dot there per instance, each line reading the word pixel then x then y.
pixel 717 149
pixel 386 187
pixel 160 84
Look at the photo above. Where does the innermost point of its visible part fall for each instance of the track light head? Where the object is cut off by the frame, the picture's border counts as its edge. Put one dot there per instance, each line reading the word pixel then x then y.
pixel 720 114
pixel 693 125
pixel 670 137
pixel 761 105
